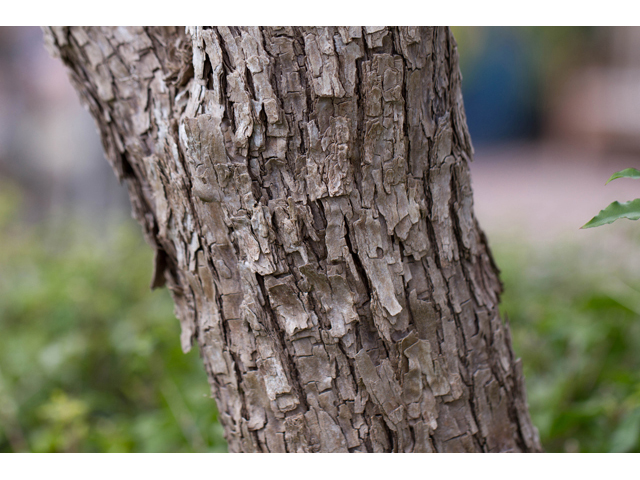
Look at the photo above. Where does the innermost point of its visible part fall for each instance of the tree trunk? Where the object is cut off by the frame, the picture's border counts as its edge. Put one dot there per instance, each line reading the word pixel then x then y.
pixel 307 194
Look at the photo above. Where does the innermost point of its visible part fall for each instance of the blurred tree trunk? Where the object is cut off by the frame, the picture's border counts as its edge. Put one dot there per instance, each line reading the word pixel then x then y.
pixel 307 194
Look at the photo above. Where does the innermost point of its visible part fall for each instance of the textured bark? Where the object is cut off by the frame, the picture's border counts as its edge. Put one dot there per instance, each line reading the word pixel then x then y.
pixel 307 193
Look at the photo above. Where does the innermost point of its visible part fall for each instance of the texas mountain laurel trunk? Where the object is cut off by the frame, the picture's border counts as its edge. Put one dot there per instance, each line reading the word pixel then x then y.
pixel 307 193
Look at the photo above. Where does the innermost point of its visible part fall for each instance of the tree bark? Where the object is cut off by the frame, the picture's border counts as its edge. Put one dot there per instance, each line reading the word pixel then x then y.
pixel 307 194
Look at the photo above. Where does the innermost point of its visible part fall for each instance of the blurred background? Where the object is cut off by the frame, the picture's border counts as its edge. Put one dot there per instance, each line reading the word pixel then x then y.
pixel 90 358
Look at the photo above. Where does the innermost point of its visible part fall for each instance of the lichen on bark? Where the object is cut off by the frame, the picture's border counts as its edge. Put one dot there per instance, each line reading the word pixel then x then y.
pixel 307 194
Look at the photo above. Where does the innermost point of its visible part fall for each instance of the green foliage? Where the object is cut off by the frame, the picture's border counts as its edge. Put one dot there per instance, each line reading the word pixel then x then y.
pixel 90 358
pixel 617 210
pixel 626 173
pixel 577 329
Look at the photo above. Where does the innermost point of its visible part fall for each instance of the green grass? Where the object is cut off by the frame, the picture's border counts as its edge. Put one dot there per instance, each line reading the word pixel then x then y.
pixel 90 359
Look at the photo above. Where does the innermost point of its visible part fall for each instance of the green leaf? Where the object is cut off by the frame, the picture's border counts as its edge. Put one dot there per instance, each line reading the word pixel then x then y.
pixel 626 173
pixel 614 211
pixel 626 435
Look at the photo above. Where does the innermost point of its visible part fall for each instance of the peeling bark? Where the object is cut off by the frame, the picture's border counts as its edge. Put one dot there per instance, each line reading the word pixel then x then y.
pixel 307 194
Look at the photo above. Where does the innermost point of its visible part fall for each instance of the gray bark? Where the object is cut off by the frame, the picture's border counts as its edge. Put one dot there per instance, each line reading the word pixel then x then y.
pixel 307 194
